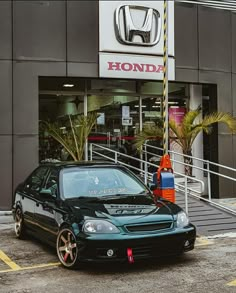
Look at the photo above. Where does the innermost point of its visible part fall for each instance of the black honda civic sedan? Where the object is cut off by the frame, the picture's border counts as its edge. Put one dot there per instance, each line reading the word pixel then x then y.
pixel 98 212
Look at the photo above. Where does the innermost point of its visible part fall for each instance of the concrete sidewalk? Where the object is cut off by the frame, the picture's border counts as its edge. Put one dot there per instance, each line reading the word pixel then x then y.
pixel 6 218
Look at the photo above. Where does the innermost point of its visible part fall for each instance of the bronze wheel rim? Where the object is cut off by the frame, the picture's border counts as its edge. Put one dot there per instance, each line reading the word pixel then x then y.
pixel 67 248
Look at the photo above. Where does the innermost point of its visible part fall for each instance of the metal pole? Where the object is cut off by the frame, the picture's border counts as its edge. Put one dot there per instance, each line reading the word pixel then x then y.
pixel 141 128
pixel 91 151
pixel 145 166
pixel 86 114
pixel 165 80
pixel 186 194
pixel 209 180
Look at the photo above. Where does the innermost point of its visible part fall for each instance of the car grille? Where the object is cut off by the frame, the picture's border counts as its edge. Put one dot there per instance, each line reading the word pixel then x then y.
pixel 149 227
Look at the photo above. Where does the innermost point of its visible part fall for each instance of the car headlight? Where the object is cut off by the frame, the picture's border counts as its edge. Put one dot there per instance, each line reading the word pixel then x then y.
pixel 99 226
pixel 182 220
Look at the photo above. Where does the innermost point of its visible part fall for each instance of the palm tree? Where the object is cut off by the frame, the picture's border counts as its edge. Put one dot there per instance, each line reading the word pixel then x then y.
pixel 185 133
pixel 73 141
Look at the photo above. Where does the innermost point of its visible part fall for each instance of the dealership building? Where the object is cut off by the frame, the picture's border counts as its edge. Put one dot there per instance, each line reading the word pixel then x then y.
pixel 60 58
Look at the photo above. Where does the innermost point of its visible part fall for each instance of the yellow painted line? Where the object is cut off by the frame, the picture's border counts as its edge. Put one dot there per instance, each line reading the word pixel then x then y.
pixel 203 241
pixel 233 283
pixel 31 268
pixel 8 261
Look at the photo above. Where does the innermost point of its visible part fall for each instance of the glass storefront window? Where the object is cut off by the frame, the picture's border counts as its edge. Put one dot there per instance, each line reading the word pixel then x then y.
pixel 118 118
pixel 116 101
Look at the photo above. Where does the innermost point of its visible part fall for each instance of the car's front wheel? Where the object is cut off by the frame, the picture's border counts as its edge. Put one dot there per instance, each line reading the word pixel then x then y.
pixel 67 249
pixel 19 224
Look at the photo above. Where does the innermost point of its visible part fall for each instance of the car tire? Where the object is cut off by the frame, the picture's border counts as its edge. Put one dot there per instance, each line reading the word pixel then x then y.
pixel 67 250
pixel 20 229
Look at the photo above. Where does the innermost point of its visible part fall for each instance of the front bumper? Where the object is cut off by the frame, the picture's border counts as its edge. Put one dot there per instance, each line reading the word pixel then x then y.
pixel 94 248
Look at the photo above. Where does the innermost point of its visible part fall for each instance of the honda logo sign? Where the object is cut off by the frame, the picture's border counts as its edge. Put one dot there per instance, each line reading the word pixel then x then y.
pixel 130 33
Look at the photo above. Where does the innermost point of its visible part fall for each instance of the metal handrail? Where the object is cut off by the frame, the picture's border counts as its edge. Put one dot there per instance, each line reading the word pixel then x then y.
pixel 207 169
pixel 185 188
pixel 147 175
pixel 197 159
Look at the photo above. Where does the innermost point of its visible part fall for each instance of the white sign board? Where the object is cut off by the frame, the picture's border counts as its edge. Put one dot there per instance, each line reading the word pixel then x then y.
pixel 125 111
pixel 131 32
pixel 127 121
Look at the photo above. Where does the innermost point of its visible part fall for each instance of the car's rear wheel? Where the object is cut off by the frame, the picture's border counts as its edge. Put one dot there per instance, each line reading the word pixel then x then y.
pixel 67 249
pixel 19 224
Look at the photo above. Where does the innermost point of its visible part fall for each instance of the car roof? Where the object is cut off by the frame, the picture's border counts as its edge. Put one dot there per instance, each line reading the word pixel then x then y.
pixel 71 164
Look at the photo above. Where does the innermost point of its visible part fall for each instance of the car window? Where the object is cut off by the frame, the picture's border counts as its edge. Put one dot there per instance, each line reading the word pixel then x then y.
pixel 35 181
pixel 52 182
pixel 98 182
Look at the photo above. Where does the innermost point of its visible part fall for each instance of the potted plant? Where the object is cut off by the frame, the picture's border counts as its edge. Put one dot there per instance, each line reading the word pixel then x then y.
pixel 185 133
pixel 74 138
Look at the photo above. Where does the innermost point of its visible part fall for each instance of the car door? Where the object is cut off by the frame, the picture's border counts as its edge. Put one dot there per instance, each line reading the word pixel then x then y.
pixel 46 207
pixel 28 195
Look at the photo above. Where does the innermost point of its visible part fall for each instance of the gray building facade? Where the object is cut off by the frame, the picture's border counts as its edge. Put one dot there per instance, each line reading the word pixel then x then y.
pixel 60 38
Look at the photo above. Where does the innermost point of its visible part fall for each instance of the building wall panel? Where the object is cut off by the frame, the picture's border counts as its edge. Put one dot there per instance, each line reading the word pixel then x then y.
pixel 6 97
pixel 186 36
pixel 82 31
pixel 5 30
pixel 186 75
pixel 233 15
pixel 214 39
pixel 25 157
pixel 39 30
pixel 6 172
pixel 82 69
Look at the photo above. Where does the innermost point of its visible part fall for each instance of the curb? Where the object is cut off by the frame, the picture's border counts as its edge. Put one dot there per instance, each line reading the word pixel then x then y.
pixel 5 213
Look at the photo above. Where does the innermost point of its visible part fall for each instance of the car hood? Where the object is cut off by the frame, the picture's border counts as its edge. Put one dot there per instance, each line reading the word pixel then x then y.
pixel 124 209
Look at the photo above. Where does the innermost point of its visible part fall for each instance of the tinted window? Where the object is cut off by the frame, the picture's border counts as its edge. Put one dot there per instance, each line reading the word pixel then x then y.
pixel 98 182
pixel 35 181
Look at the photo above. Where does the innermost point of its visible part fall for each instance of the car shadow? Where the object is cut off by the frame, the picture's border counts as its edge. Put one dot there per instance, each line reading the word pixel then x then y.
pixel 147 265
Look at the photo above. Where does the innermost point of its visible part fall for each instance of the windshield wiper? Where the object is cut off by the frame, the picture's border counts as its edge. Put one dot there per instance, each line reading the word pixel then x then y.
pixel 112 196
pixel 80 197
pixel 143 193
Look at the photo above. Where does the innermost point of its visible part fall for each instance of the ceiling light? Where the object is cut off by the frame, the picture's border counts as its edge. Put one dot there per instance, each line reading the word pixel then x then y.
pixel 68 85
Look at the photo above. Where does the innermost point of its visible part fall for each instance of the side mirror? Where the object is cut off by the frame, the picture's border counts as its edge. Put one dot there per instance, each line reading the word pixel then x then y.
pixel 152 186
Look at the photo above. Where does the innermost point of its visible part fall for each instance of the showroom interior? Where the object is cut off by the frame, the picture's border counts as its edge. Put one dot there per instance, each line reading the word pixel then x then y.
pixel 124 108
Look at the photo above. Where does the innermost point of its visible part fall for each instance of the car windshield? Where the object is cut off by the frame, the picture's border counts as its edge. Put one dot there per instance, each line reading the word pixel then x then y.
pixel 97 182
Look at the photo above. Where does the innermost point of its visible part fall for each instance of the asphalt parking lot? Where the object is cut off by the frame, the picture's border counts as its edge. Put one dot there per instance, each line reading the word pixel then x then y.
pixel 28 266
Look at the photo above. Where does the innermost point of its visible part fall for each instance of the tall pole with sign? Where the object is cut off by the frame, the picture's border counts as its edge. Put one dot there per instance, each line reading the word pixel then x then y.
pixel 165 177
pixel 165 81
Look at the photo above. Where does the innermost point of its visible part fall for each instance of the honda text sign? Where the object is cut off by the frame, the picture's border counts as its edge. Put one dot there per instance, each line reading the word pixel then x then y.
pixel 131 39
